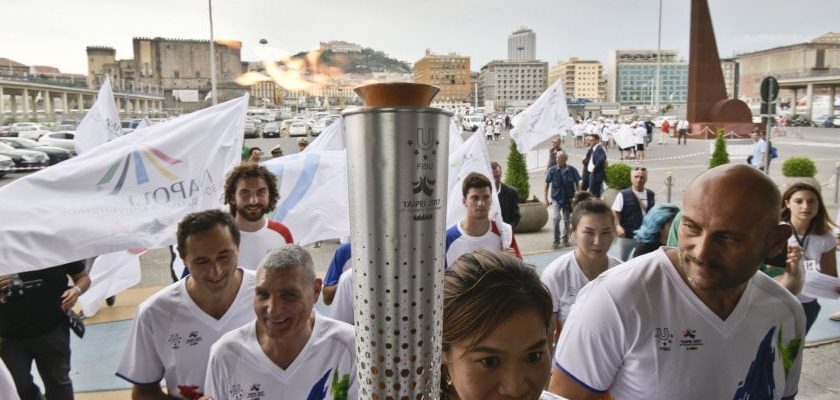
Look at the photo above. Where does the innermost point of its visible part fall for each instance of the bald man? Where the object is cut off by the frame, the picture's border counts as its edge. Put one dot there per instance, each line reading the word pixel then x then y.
pixel 694 322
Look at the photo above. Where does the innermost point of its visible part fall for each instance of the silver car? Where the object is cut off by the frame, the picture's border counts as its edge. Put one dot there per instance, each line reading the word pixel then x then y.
pixel 62 139
pixel 6 165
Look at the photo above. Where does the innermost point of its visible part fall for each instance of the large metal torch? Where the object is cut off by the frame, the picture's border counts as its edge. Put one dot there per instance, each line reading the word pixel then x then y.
pixel 397 171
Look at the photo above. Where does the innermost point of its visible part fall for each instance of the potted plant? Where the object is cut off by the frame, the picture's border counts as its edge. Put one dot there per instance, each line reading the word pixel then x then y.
pixel 533 215
pixel 800 169
pixel 617 177
pixel 720 156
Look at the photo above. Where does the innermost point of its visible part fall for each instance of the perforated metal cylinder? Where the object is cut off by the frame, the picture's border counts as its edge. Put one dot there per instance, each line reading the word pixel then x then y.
pixel 397 167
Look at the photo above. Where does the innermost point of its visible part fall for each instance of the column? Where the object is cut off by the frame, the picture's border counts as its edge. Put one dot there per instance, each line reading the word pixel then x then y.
pixel 13 105
pixel 809 95
pixel 2 107
pixel 145 106
pixel 832 95
pixel 25 104
pixel 48 104
pixel 81 103
pixel 65 106
pixel 137 109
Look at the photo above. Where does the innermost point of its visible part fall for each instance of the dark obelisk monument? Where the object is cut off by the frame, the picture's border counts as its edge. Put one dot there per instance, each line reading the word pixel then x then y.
pixel 708 106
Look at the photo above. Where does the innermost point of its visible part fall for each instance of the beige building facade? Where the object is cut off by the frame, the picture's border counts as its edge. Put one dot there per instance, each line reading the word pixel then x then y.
pixel 450 72
pixel 808 75
pixel 582 79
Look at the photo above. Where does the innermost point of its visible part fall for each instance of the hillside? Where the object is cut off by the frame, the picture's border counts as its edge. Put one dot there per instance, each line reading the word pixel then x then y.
pixel 365 62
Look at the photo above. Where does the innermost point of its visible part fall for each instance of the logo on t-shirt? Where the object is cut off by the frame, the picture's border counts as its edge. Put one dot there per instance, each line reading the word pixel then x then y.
pixel 236 391
pixel 255 392
pixel 690 340
pixel 193 339
pixel 664 339
pixel 175 340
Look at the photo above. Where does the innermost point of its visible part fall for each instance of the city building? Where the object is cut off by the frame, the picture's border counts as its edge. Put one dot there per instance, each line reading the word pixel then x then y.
pixel 450 72
pixel 9 67
pixel 167 65
pixel 338 46
pixel 632 77
pixel 512 85
pixel 522 45
pixel 808 75
pixel 582 79
pixel 730 69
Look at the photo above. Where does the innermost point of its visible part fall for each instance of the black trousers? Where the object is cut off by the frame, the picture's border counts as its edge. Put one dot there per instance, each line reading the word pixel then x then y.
pixel 51 353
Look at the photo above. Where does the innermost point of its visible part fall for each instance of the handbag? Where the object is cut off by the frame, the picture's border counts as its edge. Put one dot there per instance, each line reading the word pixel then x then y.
pixel 74 321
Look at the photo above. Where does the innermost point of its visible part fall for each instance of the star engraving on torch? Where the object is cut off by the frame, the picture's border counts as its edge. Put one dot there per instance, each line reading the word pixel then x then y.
pixel 424 185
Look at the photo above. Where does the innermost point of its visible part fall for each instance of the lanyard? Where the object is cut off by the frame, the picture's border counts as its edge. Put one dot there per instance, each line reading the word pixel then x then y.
pixel 804 237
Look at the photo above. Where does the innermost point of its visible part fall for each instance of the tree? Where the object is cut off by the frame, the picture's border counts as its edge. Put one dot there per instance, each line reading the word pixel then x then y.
pixel 719 156
pixel 517 173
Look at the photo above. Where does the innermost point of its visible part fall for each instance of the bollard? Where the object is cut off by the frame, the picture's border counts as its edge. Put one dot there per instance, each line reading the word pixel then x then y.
pixel 669 182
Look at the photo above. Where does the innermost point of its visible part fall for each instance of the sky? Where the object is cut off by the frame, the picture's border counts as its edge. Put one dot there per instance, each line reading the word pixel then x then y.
pixel 56 32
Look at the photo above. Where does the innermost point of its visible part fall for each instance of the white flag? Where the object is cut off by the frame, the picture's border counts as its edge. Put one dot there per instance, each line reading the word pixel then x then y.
pixel 547 117
pixel 455 139
pixel 101 123
pixel 313 194
pixel 127 193
pixel 143 123
pixel 471 156
pixel 110 274
pixel 332 138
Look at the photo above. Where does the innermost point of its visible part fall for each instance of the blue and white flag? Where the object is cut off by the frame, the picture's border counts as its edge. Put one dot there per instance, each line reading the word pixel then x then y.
pixel 127 193
pixel 469 157
pixel 102 122
pixel 548 116
pixel 313 194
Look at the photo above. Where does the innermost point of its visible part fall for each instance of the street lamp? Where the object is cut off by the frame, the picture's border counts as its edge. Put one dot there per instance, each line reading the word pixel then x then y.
pixel 212 56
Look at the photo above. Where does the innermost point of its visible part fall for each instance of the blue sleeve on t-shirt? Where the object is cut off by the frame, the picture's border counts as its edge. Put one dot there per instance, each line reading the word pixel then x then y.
pixel 338 264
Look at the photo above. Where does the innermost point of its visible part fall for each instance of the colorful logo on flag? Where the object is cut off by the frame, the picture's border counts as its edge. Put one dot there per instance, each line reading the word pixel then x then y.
pixel 156 158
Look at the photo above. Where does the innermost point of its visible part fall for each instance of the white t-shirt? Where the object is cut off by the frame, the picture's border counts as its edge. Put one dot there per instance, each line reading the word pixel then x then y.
pixel 342 306
pixel 459 242
pixel 640 332
pixel 171 337
pixel 8 391
pixel 618 203
pixel 253 246
pixel 759 149
pixel 564 279
pixel 240 369
pixel 815 247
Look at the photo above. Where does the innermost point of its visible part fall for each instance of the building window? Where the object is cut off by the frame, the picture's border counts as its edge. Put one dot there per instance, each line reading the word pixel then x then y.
pixel 176 74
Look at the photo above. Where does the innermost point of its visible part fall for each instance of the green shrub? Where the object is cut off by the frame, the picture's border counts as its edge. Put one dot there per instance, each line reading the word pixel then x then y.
pixel 799 167
pixel 517 173
pixel 719 156
pixel 618 176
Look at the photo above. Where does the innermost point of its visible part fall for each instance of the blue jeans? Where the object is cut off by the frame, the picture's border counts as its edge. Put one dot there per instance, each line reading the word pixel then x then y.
pixel 561 212
pixel 51 353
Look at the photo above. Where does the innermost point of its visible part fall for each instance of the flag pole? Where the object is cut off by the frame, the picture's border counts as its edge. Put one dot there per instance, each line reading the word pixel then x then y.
pixel 212 56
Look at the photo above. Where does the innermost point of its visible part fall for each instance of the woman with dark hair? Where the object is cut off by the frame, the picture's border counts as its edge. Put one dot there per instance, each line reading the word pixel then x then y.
pixel 655 227
pixel 593 230
pixel 804 210
pixel 496 330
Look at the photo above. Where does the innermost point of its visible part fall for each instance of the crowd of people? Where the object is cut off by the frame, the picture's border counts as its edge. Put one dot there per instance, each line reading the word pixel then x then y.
pixel 682 312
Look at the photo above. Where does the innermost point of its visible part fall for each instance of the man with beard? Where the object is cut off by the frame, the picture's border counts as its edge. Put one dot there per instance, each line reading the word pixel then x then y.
pixel 476 230
pixel 697 321
pixel 174 329
pixel 290 351
pixel 251 192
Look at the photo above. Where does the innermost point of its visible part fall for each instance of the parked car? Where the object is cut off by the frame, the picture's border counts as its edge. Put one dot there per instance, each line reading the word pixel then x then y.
pixel 298 128
pixel 56 154
pixel 799 120
pixel 820 121
pixel 5 131
pixel 472 122
pixel 318 127
pixel 252 129
pixel 62 139
pixel 25 159
pixel 271 130
pixel 6 165
pixel 31 132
